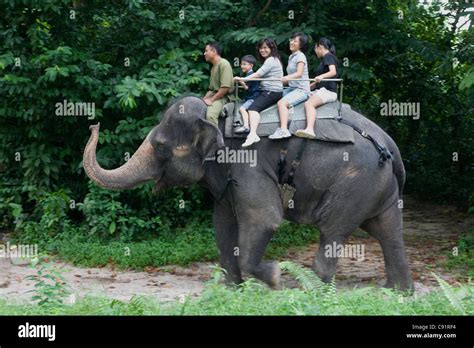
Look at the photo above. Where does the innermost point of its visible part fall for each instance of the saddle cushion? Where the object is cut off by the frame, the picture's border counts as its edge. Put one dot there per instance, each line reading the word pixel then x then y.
pixel 327 127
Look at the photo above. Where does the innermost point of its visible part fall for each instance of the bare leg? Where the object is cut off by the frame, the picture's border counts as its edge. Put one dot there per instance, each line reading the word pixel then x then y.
pixel 283 112
pixel 245 116
pixel 310 108
pixel 254 122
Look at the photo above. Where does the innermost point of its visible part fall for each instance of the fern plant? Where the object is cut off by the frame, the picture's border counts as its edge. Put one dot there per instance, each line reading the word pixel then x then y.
pixel 308 280
pixel 449 293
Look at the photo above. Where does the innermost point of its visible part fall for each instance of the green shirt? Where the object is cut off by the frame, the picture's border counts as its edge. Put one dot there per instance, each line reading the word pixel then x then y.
pixel 221 76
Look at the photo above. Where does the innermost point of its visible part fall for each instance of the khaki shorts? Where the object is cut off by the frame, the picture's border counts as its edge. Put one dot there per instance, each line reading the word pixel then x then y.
pixel 325 95
pixel 214 110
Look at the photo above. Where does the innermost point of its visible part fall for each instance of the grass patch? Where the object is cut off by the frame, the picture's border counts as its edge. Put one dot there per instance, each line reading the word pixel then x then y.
pixel 253 298
pixel 463 261
pixel 195 242
pixel 180 247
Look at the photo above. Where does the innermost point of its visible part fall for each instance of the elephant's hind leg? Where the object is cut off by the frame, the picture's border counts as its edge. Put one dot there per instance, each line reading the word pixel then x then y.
pixel 330 239
pixel 387 229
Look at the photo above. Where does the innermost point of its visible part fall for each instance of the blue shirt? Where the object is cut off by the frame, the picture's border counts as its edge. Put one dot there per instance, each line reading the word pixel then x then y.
pixel 254 88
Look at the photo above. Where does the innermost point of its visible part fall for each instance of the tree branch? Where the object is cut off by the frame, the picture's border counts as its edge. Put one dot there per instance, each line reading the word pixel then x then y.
pixel 253 21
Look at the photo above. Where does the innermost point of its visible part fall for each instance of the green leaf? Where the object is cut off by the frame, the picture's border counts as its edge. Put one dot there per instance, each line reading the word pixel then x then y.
pixel 112 227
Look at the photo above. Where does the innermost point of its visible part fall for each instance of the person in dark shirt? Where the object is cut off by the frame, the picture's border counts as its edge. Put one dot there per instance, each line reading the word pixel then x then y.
pixel 252 90
pixel 326 91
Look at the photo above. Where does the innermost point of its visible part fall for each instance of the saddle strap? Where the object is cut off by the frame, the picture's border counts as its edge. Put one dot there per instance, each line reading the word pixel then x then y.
pixel 295 164
pixel 382 150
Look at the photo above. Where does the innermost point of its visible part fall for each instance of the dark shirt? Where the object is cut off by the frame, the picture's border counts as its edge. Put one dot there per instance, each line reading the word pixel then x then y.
pixel 328 59
pixel 253 88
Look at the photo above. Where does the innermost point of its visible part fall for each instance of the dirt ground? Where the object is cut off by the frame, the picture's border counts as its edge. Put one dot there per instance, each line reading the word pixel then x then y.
pixel 431 231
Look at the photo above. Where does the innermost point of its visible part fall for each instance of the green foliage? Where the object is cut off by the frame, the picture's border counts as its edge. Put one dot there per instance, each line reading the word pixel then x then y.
pixel 306 277
pixel 179 247
pixel 253 298
pixel 191 243
pixel 106 216
pixel 48 219
pixel 449 292
pixel 466 241
pixel 50 286
pixel 290 235
pixel 463 260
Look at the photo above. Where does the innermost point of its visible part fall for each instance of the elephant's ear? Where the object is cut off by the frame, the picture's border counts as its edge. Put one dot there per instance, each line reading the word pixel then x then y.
pixel 209 139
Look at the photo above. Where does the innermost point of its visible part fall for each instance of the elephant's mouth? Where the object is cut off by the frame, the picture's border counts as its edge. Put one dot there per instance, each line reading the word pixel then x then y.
pixel 159 183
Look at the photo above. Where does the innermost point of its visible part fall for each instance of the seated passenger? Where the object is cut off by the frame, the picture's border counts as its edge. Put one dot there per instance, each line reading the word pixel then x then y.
pixel 220 82
pixel 270 91
pixel 326 91
pixel 298 91
pixel 252 91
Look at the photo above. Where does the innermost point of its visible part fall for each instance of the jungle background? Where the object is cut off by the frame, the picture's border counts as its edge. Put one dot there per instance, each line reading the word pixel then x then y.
pixel 132 57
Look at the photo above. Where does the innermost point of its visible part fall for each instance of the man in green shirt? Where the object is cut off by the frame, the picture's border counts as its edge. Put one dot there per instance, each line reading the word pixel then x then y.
pixel 221 82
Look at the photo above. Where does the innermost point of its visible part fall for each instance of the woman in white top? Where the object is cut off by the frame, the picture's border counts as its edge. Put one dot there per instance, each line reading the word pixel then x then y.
pixel 270 91
pixel 298 91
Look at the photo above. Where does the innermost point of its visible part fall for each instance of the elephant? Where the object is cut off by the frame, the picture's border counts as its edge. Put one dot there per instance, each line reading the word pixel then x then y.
pixel 333 194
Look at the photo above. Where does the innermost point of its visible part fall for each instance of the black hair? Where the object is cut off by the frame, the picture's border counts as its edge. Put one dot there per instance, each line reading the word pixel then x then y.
pixel 327 44
pixel 215 45
pixel 303 40
pixel 273 48
pixel 249 59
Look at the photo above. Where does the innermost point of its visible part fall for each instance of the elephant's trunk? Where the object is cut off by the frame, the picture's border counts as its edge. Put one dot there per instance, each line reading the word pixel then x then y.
pixel 139 168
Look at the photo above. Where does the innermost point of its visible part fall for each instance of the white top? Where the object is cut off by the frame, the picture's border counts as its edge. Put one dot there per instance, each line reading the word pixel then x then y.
pixel 271 68
pixel 292 67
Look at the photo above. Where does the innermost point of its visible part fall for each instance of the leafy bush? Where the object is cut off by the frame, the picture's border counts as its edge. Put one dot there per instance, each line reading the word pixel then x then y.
pixel 50 286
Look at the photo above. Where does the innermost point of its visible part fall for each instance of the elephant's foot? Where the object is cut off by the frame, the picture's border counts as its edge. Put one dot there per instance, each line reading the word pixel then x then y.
pixel 323 272
pixel 403 286
pixel 275 277
pixel 269 272
pixel 232 280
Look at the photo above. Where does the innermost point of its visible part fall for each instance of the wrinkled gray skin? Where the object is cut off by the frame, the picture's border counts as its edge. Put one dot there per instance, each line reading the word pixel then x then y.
pixel 334 195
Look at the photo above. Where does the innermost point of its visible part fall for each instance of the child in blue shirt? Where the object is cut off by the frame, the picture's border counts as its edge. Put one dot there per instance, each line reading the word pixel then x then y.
pixel 252 88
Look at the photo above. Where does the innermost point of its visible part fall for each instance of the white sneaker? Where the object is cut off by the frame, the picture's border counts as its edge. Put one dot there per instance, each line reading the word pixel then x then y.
pixel 304 134
pixel 251 139
pixel 280 134
pixel 242 129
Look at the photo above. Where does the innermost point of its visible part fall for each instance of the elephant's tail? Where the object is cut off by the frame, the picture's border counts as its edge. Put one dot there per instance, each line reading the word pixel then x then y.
pixel 398 170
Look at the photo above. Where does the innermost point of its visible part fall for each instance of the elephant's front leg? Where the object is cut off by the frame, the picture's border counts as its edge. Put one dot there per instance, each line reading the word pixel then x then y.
pixel 256 228
pixel 227 235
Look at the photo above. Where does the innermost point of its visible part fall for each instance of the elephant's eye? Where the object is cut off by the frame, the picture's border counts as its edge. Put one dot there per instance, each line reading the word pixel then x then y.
pixel 162 150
